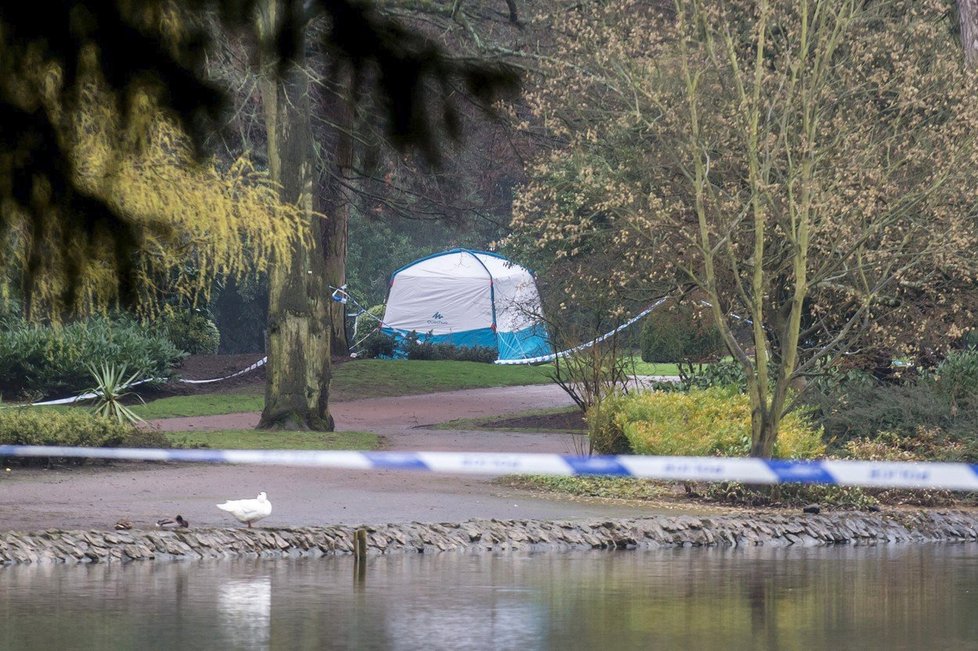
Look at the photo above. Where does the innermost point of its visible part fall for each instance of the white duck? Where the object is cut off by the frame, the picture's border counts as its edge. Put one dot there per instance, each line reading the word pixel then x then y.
pixel 248 511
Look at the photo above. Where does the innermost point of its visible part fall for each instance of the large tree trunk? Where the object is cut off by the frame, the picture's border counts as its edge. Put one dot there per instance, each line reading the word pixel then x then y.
pixel 298 346
pixel 968 20
pixel 338 202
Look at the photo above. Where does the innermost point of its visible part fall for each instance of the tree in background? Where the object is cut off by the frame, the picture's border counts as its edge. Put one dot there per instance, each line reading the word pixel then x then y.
pixel 402 67
pixel 298 337
pixel 366 185
pixel 138 53
pixel 808 166
pixel 968 26
pixel 192 222
pixel 157 50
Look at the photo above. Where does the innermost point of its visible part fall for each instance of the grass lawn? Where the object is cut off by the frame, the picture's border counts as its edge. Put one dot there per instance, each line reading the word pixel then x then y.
pixel 650 368
pixel 249 439
pixel 370 378
pixel 375 378
pixel 207 404
pixel 378 378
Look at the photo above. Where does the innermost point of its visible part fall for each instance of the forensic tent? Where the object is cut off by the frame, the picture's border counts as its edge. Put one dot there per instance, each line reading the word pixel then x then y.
pixel 467 299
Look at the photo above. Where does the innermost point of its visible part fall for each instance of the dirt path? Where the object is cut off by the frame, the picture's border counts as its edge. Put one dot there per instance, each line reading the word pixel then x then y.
pixel 97 497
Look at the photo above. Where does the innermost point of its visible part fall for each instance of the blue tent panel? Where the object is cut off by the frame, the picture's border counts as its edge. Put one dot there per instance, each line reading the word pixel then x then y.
pixel 529 342
pixel 484 337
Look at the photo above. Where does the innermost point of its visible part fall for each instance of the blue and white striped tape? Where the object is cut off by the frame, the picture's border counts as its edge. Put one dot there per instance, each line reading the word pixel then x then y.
pixel 95 394
pixel 877 474
pixel 249 369
pixel 564 353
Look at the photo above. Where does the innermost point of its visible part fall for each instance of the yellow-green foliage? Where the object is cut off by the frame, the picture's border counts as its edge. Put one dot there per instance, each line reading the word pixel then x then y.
pixel 33 426
pixel 699 423
pixel 193 220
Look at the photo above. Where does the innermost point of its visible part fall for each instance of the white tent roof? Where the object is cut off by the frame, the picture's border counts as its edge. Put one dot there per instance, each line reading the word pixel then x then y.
pixel 454 291
pixel 461 263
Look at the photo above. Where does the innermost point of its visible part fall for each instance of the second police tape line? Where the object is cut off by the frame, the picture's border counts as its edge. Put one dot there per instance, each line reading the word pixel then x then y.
pixel 875 474
pixel 341 295
pixel 341 292
pixel 89 396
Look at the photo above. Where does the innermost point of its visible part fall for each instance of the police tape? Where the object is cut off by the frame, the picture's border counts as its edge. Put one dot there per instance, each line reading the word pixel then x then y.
pixel 876 474
pixel 95 394
pixel 249 369
pixel 542 359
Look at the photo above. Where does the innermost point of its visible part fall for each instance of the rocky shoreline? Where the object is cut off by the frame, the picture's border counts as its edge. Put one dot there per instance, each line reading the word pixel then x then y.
pixel 842 528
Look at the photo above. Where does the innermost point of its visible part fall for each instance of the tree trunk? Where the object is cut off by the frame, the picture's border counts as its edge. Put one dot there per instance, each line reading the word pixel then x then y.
pixel 338 201
pixel 968 21
pixel 298 341
pixel 765 418
pixel 764 436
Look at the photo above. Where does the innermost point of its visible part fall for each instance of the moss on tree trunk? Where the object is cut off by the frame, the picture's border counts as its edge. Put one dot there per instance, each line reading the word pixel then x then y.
pixel 298 345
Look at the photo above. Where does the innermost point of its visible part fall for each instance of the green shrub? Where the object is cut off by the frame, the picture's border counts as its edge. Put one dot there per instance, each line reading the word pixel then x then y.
pixel 925 444
pixel 429 351
pixel 680 333
pixel 191 332
pixel 931 417
pixel 425 349
pixel 727 373
pixel 854 404
pixel 956 378
pixel 604 431
pixel 700 423
pixel 72 427
pixel 368 340
pixel 376 345
pixel 142 438
pixel 934 416
pixel 865 411
pixel 723 374
pixel 10 311
pixel 367 322
pixel 38 359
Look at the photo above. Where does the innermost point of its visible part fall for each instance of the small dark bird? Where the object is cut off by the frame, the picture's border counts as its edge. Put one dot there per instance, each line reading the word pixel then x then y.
pixel 173 523
pixel 872 508
pixel 123 524
pixel 812 508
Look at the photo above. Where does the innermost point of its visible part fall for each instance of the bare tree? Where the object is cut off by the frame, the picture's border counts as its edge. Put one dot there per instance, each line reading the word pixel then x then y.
pixel 968 24
pixel 806 165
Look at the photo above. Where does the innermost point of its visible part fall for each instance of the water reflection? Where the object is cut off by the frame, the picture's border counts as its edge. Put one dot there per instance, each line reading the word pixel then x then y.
pixel 245 608
pixel 911 597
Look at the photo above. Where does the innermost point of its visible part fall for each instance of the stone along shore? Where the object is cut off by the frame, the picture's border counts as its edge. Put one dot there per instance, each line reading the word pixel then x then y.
pixel 749 529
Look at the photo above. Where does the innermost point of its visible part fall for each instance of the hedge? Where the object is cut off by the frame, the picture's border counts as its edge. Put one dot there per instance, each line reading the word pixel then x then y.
pixel 710 422
pixel 44 360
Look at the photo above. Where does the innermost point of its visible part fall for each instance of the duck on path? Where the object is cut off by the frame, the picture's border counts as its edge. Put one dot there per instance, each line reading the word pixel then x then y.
pixel 248 511
pixel 173 523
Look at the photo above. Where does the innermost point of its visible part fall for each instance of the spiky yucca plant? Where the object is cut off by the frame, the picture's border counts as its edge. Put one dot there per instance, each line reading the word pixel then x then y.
pixel 110 386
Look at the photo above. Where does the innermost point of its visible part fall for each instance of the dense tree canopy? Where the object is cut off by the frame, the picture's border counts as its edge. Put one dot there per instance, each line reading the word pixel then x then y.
pixel 196 222
pixel 809 166
pixel 156 51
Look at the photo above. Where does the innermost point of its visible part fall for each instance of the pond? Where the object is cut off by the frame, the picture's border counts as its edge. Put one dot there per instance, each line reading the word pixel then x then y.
pixel 893 597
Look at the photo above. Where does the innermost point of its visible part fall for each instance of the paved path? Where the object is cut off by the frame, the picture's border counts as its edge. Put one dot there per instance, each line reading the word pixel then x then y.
pixel 97 497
